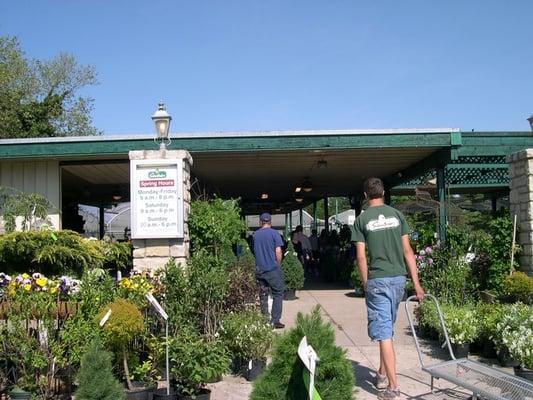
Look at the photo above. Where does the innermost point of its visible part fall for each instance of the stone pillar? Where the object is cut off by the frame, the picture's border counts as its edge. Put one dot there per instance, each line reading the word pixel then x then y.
pixel 153 254
pixel 521 203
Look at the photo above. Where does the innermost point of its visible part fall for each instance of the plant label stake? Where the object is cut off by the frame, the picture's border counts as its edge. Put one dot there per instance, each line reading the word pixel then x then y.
pixel 153 301
pixel 105 318
pixel 309 358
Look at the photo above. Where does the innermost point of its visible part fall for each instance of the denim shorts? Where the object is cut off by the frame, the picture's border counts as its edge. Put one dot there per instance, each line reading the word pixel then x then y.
pixel 383 295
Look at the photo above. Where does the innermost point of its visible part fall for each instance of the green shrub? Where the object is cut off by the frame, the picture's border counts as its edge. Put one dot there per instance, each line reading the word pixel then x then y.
pixel 96 380
pixel 449 279
pixel 49 252
pixel 293 272
pixel 215 224
pixel 282 379
pixel 242 290
pixel 519 340
pixel 195 360
pixel 519 286
pixel 118 255
pixel 461 323
pixel 513 317
pixel 488 316
pixel 246 334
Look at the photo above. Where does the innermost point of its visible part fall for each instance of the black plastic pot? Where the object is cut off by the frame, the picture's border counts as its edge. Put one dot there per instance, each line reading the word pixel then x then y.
pixel 161 394
pixel 257 367
pixel 461 350
pixel 205 394
pixel 140 391
pixel 524 372
pixel 504 358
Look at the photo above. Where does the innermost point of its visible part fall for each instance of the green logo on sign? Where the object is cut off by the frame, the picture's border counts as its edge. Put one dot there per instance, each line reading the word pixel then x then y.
pixel 157 174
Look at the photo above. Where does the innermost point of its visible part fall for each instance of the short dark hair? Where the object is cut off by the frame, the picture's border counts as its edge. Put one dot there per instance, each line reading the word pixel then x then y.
pixel 373 188
pixel 299 228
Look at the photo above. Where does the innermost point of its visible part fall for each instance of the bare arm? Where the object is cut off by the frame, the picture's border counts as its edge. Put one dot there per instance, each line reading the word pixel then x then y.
pixel 361 262
pixel 411 266
pixel 279 255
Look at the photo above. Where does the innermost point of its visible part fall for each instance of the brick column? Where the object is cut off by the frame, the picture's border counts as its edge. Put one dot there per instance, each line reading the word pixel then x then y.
pixel 153 254
pixel 521 203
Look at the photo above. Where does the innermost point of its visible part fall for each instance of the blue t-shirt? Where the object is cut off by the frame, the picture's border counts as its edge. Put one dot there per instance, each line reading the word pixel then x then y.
pixel 265 242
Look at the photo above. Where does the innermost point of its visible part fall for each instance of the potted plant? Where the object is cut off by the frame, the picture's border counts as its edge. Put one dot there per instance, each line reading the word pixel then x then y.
pixel 517 336
pixel 293 273
pixel 194 361
pixel 512 318
pixel 462 326
pixel 248 337
pixel 488 315
pixel 519 287
pixel 95 378
pixel 123 325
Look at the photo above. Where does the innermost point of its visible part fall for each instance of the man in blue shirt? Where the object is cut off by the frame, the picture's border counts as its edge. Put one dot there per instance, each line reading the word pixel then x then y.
pixel 268 256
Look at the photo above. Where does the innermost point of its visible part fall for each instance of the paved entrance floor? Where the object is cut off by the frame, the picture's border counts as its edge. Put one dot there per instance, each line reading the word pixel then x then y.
pixel 347 313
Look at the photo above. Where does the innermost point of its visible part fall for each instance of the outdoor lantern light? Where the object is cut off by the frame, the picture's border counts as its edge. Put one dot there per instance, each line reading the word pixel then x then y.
pixel 264 196
pixel 530 119
pixel 307 186
pixel 298 198
pixel 162 123
pixel 298 189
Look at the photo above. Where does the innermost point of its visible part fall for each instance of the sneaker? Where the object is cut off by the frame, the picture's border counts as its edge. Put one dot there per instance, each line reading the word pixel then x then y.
pixel 381 381
pixel 278 325
pixel 389 394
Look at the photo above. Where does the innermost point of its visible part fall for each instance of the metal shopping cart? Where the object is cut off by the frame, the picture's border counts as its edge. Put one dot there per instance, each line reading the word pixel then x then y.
pixel 482 380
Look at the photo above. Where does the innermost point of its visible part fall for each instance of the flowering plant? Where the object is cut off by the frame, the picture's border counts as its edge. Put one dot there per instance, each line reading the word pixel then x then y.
pixel 247 334
pixel 461 323
pixel 37 282
pixel 424 258
pixel 515 331
pixel 135 287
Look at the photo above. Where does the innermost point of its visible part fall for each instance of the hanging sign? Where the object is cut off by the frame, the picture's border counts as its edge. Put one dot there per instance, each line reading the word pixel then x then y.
pixel 156 199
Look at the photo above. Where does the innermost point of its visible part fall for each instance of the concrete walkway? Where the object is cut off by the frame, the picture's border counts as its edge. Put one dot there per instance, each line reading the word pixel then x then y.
pixel 347 314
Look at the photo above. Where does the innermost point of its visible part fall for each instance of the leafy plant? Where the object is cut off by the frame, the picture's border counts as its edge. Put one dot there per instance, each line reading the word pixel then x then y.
pixel 293 272
pixel 50 252
pixel 242 290
pixel 488 316
pixel 461 322
pixel 513 317
pixel 208 289
pixel 282 379
pixel 118 255
pixel 501 231
pixel 246 334
pixel 519 286
pixel 215 224
pixel 96 380
pixel 519 340
pixel 195 360
pixel 123 325
pixel 30 207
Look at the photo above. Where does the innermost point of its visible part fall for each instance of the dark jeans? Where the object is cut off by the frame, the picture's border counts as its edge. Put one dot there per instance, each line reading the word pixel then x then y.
pixel 274 281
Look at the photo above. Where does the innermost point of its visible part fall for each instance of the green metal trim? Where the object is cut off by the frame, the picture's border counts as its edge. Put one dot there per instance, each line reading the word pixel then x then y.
pixel 223 144
pixel 456 139
pixel 442 157
pixel 441 188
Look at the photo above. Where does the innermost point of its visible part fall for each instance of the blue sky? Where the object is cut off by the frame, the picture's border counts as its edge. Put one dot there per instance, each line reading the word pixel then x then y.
pixel 264 65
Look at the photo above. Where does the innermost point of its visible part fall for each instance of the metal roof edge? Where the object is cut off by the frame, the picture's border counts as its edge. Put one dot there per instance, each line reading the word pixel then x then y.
pixel 235 134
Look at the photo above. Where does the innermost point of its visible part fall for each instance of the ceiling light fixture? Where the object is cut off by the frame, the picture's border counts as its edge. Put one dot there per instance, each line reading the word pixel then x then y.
pixel 307 186
pixel 299 198
pixel 298 189
pixel 264 196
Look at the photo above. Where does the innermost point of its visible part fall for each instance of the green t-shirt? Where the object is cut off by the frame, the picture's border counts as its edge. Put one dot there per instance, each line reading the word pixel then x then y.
pixel 381 228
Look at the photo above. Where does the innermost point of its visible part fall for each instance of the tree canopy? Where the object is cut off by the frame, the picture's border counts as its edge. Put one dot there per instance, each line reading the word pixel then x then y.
pixel 40 98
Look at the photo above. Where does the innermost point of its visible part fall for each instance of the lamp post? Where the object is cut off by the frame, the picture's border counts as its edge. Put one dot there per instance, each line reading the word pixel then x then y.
pixel 530 119
pixel 162 124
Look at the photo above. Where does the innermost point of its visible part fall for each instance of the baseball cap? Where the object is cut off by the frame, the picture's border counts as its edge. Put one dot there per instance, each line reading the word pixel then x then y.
pixel 266 217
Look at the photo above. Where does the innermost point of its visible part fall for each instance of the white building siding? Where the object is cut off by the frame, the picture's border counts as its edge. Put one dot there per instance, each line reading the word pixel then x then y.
pixel 42 177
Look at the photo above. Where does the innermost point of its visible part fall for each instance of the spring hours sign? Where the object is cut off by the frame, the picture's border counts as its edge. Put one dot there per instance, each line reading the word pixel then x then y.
pixel 156 199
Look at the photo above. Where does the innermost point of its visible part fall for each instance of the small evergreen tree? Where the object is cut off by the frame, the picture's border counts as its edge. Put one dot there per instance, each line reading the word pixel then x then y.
pixel 283 378
pixel 96 380
pixel 293 272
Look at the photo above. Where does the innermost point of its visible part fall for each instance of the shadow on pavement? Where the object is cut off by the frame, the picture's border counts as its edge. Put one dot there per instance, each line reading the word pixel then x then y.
pixel 364 378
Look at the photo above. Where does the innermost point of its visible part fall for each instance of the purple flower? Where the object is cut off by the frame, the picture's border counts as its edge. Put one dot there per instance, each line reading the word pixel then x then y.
pixel 26 282
pixel 36 275
pixel 19 279
pixel 430 261
pixel 429 250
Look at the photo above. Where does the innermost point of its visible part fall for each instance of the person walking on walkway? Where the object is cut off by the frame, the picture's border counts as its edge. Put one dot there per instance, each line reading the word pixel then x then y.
pixel 268 256
pixel 384 231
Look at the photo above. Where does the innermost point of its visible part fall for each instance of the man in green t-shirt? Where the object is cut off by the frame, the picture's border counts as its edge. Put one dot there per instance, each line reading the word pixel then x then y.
pixel 384 232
